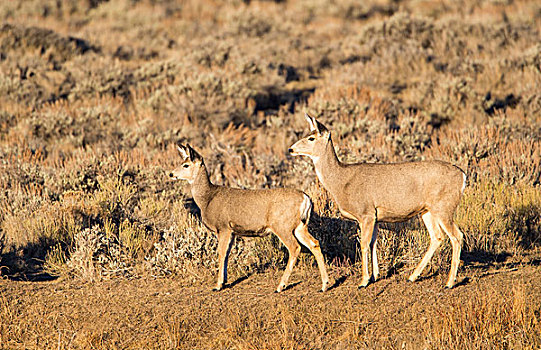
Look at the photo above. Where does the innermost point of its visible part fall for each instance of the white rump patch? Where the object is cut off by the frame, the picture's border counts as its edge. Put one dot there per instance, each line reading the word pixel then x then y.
pixel 306 208
pixel 464 182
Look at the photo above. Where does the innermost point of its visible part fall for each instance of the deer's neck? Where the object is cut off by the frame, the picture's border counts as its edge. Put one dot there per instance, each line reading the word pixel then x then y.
pixel 329 170
pixel 202 188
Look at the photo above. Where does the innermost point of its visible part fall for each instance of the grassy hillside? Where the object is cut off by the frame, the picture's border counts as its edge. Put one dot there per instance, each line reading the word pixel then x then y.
pixel 94 94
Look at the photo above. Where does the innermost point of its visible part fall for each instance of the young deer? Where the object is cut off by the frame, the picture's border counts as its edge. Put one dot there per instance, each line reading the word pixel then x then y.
pixel 233 211
pixel 372 193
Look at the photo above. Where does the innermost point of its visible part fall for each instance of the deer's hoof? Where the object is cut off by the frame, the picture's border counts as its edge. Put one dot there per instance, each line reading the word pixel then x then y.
pixel 364 284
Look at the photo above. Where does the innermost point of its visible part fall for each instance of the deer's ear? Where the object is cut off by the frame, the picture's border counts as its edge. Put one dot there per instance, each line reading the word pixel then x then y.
pixel 193 153
pixel 315 125
pixel 183 151
pixel 321 129
pixel 311 121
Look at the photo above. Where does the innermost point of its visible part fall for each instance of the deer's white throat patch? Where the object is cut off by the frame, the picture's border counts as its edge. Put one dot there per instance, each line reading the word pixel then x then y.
pixel 315 159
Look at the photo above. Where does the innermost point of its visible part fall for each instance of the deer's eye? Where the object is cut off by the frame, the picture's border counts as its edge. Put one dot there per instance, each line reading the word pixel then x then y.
pixel 186 165
pixel 311 138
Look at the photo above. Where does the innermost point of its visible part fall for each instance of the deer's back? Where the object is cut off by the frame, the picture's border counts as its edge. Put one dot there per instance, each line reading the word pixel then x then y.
pixel 402 190
pixel 252 212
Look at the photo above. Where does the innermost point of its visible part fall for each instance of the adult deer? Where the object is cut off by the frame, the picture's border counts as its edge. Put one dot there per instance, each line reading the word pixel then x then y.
pixel 372 193
pixel 232 211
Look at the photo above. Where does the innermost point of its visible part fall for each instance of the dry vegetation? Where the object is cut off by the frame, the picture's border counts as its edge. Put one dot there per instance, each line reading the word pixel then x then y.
pixel 93 95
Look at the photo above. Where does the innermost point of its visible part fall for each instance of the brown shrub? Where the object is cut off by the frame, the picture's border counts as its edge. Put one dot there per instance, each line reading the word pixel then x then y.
pixel 87 125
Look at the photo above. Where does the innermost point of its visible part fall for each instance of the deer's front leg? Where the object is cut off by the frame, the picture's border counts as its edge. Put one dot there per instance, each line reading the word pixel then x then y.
pixel 224 247
pixel 373 248
pixel 367 229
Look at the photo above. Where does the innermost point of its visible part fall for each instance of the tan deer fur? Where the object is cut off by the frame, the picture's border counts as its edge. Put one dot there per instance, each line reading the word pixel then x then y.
pixel 372 193
pixel 232 211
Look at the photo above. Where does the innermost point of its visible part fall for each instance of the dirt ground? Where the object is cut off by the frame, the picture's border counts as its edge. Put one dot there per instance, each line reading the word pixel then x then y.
pixel 167 313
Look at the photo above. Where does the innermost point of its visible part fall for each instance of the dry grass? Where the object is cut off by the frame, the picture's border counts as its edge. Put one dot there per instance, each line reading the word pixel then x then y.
pixel 495 319
pixel 169 313
pixel 93 95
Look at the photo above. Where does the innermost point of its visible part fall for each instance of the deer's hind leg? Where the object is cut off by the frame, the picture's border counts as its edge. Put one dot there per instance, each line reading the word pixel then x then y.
pixel 436 237
pixel 294 250
pixel 302 234
pixel 456 236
